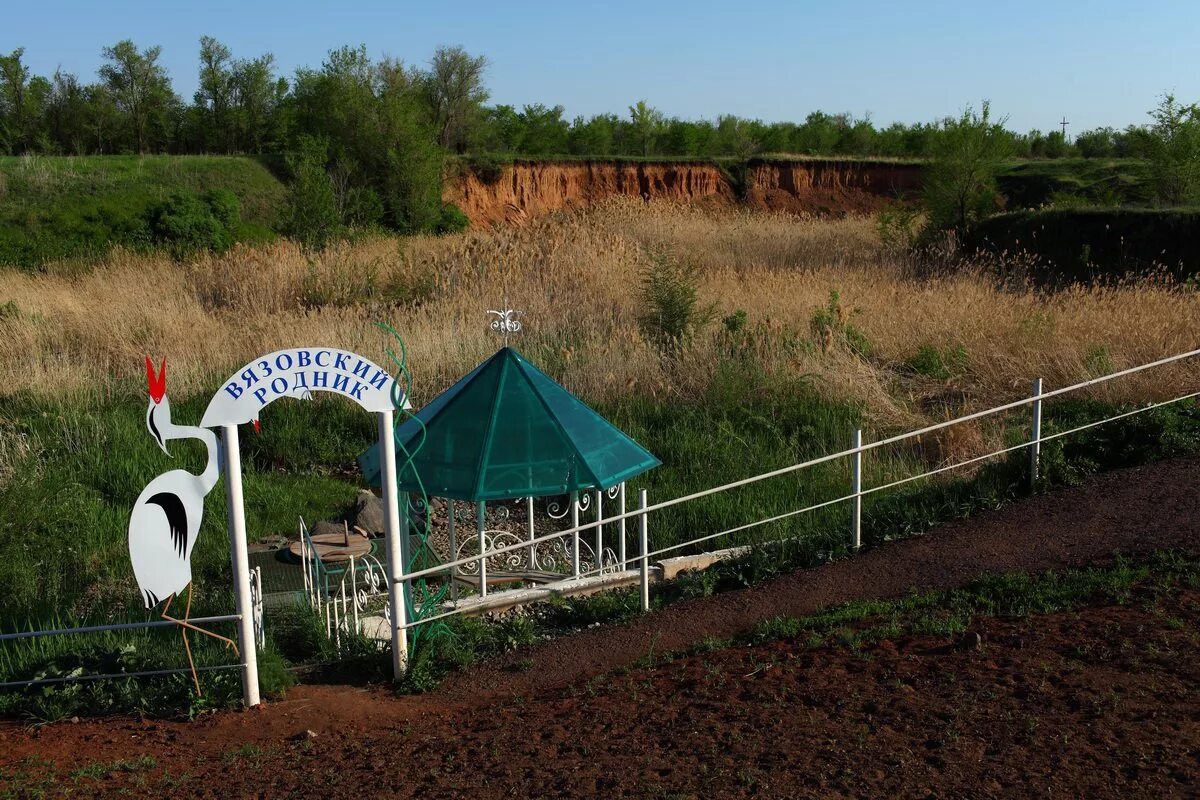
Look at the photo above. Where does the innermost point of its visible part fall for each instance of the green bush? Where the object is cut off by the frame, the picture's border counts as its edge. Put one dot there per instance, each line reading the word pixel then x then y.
pixel 672 312
pixel 312 216
pixel 453 219
pixel 190 223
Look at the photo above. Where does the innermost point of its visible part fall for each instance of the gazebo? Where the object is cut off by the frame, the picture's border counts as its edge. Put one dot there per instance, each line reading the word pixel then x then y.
pixel 507 432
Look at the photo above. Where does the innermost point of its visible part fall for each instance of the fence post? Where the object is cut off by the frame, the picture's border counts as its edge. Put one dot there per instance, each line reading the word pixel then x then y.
pixel 856 490
pixel 481 513
pixel 450 532
pixel 1035 444
pixel 643 532
pixel 621 527
pixel 394 543
pixel 532 535
pixel 240 559
pixel 599 531
pixel 575 535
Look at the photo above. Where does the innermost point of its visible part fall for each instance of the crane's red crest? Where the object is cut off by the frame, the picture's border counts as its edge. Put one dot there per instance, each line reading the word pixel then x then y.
pixel 157 383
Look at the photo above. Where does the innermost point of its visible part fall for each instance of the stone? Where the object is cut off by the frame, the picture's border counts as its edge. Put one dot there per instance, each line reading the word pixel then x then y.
pixel 971 640
pixel 368 514
pixel 325 527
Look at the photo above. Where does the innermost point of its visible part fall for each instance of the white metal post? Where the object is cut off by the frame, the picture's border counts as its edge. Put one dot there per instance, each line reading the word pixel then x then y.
pixel 532 535
pixel 856 490
pixel 481 513
pixel 599 531
pixel 575 535
pixel 240 562
pixel 395 549
pixel 621 526
pixel 645 537
pixel 1035 445
pixel 453 548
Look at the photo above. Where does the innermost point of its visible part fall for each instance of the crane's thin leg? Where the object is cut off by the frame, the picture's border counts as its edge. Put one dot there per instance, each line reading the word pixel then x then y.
pixel 188 646
pixel 184 622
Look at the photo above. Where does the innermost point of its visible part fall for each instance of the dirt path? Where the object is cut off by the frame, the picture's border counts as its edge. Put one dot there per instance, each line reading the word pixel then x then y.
pixel 544 732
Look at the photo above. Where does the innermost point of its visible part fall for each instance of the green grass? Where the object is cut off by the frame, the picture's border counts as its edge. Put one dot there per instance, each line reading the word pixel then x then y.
pixel 1072 181
pixel 56 208
pixel 64 513
pixel 1006 595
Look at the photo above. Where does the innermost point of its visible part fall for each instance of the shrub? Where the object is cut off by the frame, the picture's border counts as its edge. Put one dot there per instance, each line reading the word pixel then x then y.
pixel 189 223
pixel 960 182
pixel 453 219
pixel 312 216
pixel 1175 152
pixel 487 168
pixel 673 313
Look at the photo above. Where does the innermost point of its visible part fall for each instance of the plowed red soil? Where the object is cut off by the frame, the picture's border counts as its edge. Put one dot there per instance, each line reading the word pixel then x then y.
pixel 1103 702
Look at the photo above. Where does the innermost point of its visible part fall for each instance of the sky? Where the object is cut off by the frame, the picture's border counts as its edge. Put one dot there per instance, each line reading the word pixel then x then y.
pixel 1098 62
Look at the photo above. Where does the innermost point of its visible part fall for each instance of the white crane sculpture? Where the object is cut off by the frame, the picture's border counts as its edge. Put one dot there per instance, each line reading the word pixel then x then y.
pixel 166 518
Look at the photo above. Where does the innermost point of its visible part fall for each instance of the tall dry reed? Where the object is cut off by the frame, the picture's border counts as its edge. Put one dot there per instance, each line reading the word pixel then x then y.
pixel 577 280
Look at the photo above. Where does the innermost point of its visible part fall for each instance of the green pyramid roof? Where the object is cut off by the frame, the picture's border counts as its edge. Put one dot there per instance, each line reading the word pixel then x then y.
pixel 507 430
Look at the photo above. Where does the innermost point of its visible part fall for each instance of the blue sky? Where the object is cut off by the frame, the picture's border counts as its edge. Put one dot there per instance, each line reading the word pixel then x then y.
pixel 1099 62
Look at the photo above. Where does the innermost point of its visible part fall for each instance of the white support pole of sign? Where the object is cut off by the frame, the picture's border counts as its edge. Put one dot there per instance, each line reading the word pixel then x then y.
pixel 1035 440
pixel 575 535
pixel 240 561
pixel 599 565
pixel 621 526
pixel 856 490
pixel 395 550
pixel 481 517
pixel 453 549
pixel 532 535
pixel 645 537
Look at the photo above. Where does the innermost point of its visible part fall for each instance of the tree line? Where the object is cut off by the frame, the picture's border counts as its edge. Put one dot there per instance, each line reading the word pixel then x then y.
pixel 244 105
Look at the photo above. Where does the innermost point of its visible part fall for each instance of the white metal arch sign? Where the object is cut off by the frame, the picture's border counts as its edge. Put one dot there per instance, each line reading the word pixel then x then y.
pixel 165 533
pixel 296 373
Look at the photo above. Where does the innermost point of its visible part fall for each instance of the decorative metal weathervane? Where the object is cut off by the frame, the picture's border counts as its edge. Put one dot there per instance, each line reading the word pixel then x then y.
pixel 506 322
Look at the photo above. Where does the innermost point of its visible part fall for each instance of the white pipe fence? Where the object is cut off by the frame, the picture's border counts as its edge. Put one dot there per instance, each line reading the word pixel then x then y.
pixel 855 454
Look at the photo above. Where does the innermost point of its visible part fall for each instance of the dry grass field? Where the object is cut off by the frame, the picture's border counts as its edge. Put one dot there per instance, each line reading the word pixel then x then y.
pixel 578 280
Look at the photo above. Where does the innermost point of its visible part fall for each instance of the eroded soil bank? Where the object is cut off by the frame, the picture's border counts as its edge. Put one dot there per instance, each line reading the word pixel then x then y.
pixel 527 189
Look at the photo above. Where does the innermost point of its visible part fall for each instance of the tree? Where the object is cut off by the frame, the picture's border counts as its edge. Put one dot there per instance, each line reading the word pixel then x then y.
pixel 214 96
pixel 1174 152
pixel 66 114
pixel 456 94
pixel 15 113
pixel 960 182
pixel 647 124
pixel 256 96
pixel 140 88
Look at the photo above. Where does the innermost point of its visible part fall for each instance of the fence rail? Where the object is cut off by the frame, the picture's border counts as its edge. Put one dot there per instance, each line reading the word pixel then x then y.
pixel 1035 401
pixel 259 634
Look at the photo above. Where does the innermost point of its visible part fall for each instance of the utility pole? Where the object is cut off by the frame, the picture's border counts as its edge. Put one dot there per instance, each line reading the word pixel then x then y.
pixel 1064 124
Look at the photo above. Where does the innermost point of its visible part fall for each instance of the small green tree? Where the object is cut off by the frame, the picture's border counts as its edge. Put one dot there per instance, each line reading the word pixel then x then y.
pixel 960 183
pixel 312 216
pixel 1174 152
pixel 672 312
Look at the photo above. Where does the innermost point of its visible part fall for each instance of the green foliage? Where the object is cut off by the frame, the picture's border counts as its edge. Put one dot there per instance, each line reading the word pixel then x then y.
pixel 960 181
pixel 1010 594
pixel 77 208
pixel 672 312
pixel 189 223
pixel 453 219
pixel 831 325
pixel 311 216
pixel 940 364
pixel 1174 152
